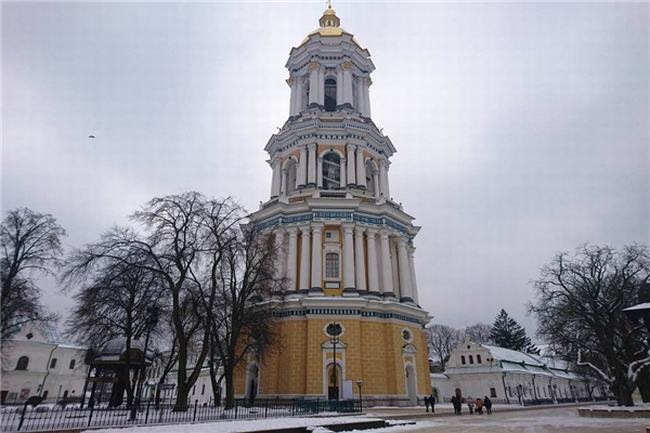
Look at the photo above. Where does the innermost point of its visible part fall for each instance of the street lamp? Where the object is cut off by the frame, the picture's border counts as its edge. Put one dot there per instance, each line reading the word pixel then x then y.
pixel 334 330
pixel 360 384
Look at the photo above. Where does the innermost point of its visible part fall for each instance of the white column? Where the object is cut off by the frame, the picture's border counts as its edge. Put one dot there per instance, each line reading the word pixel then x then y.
pixel 304 259
pixel 375 180
pixel 299 97
pixel 359 260
pixel 321 86
pixel 294 96
pixel 414 284
pixel 311 164
pixel 350 164
pixel 348 258
pixel 279 254
pixel 361 168
pixel 339 86
pixel 404 270
pixel 386 270
pixel 360 97
pixel 316 257
pixel 301 176
pixel 314 80
pixel 344 164
pixel 292 257
pixel 319 172
pixel 383 178
pixel 373 274
pixel 366 95
pixel 347 83
pixel 276 177
pixel 283 183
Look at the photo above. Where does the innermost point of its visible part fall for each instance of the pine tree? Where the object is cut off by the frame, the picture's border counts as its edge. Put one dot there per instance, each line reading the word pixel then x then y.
pixel 506 332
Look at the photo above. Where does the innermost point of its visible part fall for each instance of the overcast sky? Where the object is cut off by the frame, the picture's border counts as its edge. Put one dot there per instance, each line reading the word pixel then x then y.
pixel 521 129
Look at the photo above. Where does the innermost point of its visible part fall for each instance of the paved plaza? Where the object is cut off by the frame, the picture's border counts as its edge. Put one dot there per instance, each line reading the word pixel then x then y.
pixel 551 420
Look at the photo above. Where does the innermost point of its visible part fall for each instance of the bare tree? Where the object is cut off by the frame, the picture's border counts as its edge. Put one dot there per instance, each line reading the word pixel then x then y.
pixel 176 236
pixel 31 244
pixel 442 340
pixel 241 321
pixel 478 333
pixel 117 298
pixel 579 306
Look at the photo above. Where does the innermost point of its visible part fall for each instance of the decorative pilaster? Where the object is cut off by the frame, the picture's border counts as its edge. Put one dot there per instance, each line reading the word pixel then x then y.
pixel 316 258
pixel 280 257
pixel 319 172
pixel 292 257
pixel 314 81
pixel 366 96
pixel 404 271
pixel 339 86
pixel 299 97
pixel 311 165
pixel 359 260
pixel 304 259
pixel 294 97
pixel 414 284
pixel 383 178
pixel 347 82
pixel 344 164
pixel 373 272
pixel 348 259
pixel 361 168
pixel 350 164
pixel 276 178
pixel 302 168
pixel 283 183
pixel 386 266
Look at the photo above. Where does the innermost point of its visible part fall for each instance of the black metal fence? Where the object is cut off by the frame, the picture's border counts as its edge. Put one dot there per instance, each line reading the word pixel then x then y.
pixel 54 417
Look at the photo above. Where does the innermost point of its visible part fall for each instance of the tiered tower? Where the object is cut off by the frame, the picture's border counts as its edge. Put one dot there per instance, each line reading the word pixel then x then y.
pixel 347 247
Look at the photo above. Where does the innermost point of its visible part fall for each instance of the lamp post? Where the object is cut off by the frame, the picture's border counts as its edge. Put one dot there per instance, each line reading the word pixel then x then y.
pixel 360 384
pixel 334 330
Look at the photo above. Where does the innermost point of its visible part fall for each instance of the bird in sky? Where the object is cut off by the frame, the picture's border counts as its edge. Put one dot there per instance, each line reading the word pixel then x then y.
pixel 91 136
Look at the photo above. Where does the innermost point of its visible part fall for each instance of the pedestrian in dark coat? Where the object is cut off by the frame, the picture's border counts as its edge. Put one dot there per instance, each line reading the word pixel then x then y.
pixel 426 402
pixel 432 402
pixel 488 405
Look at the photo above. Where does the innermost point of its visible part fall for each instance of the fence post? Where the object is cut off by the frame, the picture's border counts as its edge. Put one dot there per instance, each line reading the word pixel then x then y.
pixel 90 416
pixel 236 407
pixel 146 417
pixel 266 410
pixel 22 416
pixel 196 405
pixel 293 406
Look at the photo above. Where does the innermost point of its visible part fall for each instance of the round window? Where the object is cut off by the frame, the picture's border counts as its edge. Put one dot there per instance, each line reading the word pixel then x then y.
pixel 406 335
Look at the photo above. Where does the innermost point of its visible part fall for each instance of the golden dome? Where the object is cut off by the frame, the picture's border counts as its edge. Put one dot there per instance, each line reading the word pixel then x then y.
pixel 329 18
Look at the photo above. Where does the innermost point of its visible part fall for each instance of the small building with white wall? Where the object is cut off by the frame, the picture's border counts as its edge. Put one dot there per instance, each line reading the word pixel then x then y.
pixel 37 361
pixel 511 377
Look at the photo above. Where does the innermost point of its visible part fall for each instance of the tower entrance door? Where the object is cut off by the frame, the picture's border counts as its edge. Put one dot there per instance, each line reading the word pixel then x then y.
pixel 334 380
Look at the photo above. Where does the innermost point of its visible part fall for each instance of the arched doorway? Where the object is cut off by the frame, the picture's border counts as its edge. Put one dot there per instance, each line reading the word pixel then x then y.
pixel 334 381
pixel 252 382
pixel 411 386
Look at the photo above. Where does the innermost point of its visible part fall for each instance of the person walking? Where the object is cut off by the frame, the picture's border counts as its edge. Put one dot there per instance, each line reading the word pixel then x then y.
pixel 455 401
pixel 479 406
pixel 432 402
pixel 470 405
pixel 488 405
pixel 426 402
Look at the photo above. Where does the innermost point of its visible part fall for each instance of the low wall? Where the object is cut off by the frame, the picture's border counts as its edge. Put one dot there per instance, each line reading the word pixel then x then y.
pixel 614 412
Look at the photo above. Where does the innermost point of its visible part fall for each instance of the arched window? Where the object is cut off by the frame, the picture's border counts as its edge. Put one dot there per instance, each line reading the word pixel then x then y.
pixel 372 180
pixel 22 363
pixel 292 173
pixel 331 171
pixel 330 94
pixel 331 265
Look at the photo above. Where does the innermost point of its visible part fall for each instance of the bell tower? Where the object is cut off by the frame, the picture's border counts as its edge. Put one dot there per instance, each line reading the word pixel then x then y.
pixel 347 249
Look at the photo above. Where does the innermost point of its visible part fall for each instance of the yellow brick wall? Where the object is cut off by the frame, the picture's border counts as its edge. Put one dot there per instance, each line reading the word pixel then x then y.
pixel 373 353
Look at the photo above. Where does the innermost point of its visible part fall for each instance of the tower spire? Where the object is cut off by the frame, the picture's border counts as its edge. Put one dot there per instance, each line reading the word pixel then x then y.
pixel 329 18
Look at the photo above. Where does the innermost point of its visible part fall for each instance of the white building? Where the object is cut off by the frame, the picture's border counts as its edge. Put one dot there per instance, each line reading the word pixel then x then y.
pixel 507 376
pixel 37 361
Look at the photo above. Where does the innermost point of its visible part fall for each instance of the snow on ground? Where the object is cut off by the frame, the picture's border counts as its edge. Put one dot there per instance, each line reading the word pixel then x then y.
pixel 237 426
